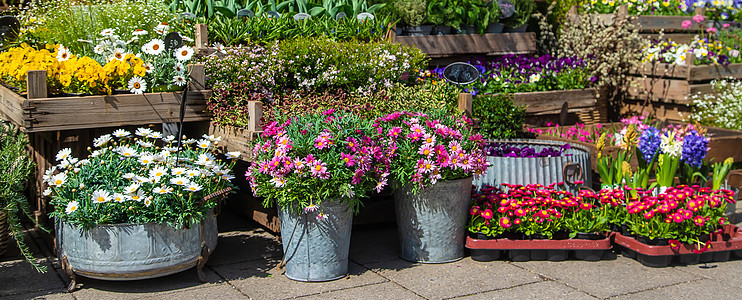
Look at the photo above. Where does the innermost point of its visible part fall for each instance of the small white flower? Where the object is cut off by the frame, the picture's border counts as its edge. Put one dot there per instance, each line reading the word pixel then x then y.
pixel 131 189
pixel 117 54
pixel 63 53
pixel 233 154
pixel 179 80
pixel 120 133
pixel 63 154
pixel 137 85
pixel 58 180
pixel 179 68
pixel 119 198
pixel 157 173
pixel 155 135
pixel 189 141
pixel 204 144
pixel 129 176
pixel 162 28
pixel 101 196
pixel 147 202
pixel 71 207
pixel 102 140
pixel 162 191
pixel 107 32
pixel 138 196
pixel 228 177
pixel 144 144
pixel 146 159
pixel 47 192
pixel 139 32
pixel 143 132
pixel 149 68
pixel 48 174
pixel 127 151
pixel 193 187
pixel 169 139
pixel 219 48
pixel 181 181
pixel 142 179
pixel 183 53
pixel 154 47
pixel 278 181
pixel 193 173
pixel 206 159
pixel 170 149
pixel 534 78
pixel 178 171
pixel 98 49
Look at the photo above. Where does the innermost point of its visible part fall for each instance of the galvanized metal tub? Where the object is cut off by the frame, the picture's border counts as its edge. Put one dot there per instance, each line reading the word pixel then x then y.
pixel 538 170
pixel 134 251
pixel 316 250
pixel 4 232
pixel 432 223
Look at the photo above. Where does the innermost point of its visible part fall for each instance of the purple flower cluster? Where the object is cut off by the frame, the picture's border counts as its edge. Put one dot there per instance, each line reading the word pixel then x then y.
pixel 649 143
pixel 695 147
pixel 507 150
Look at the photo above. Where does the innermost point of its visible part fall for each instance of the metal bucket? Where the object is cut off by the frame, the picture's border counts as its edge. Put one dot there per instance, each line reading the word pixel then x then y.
pixel 541 170
pixel 134 251
pixel 316 250
pixel 4 232
pixel 431 224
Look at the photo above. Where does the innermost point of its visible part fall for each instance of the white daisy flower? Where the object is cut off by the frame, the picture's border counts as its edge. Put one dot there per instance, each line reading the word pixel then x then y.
pixel 63 165
pixel 137 85
pixel 162 191
pixel 219 171
pixel 99 49
pixel 48 174
pixel 219 48
pixel 120 133
pixel 192 173
pixel 205 172
pixel 63 53
pixel 162 28
pixel 142 179
pixel 155 135
pixel 63 154
pixel 189 141
pixel 204 144
pixel 131 189
pixel 127 151
pixel 170 149
pixel 71 207
pixel 102 140
pixel 205 159
pixel 169 139
pixel 47 192
pixel 144 144
pixel 143 131
pixel 179 80
pixel 129 176
pixel 233 154
pixel 179 68
pixel 157 173
pixel 107 32
pixel 183 53
pixel 228 177
pixel 149 68
pixel 178 171
pixel 146 159
pixel 186 39
pixel 139 32
pixel 147 202
pixel 278 181
pixel 101 196
pixel 181 181
pixel 138 196
pixel 118 197
pixel 193 187
pixel 154 47
pixel 117 54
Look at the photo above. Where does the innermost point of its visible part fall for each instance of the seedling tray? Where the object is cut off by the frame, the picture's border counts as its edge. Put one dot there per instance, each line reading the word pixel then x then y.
pixel 663 256
pixel 525 250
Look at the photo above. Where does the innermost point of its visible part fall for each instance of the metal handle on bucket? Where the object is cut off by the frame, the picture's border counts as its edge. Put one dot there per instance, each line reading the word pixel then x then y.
pixel 572 172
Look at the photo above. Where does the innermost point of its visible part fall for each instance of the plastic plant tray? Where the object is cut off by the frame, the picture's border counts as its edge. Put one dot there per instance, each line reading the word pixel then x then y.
pixel 734 243
pixel 525 250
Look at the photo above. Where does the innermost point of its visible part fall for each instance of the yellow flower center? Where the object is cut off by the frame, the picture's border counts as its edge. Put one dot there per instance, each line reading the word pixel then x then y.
pixel 57 182
pixel 100 199
pixel 318 167
pixel 137 85
pixel 184 53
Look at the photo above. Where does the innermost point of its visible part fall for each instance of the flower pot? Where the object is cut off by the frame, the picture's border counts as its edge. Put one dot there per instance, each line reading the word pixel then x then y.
pixel 589 255
pixel 706 257
pixel 589 236
pixel 653 242
pixel 467 30
pixel 166 88
pixel 721 256
pixel 316 250
pixel 432 223
pixel 441 30
pixel 521 28
pixel 689 259
pixel 134 251
pixel 494 28
pixel 484 255
pixel 625 230
pixel 654 261
pixel 4 232
pixel 556 255
pixel 520 255
pixel 421 30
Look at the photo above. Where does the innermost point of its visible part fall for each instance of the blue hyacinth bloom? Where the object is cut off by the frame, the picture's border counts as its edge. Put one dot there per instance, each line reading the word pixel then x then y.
pixel 649 143
pixel 695 148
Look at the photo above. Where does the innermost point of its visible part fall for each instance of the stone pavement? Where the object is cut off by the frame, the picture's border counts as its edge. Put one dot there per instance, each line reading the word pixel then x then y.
pixel 243 267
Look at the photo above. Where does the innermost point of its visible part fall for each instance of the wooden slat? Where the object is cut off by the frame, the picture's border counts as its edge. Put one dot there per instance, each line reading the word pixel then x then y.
pixel 551 102
pixel 661 70
pixel 667 90
pixel 115 110
pixel 661 110
pixel 234 139
pixel 702 73
pixel 706 73
pixel 668 23
pixel 460 44
pixel 11 106
pixel 36 84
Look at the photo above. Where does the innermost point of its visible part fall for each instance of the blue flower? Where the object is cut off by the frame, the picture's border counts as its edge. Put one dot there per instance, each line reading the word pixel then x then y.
pixel 695 148
pixel 649 143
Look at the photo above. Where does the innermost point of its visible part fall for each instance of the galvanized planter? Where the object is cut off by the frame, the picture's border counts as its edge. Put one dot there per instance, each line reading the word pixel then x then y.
pixel 432 223
pixel 538 170
pixel 4 232
pixel 134 251
pixel 316 250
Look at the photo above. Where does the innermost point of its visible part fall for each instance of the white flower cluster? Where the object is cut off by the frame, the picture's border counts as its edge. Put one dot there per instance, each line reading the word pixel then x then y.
pixel 721 108
pixel 151 171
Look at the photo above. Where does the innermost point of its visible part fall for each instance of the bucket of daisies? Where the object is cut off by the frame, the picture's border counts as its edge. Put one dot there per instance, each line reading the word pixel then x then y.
pixel 139 206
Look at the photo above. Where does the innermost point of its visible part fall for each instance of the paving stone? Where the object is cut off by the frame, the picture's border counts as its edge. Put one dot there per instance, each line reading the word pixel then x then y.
pixel 699 289
pixel 105 289
pixel 540 290
pixel 19 277
pixel 464 277
pixel 260 279
pixel 218 291
pixel 370 246
pixel 60 294
pixel 240 246
pixel 381 291
pixel 728 271
pixel 608 278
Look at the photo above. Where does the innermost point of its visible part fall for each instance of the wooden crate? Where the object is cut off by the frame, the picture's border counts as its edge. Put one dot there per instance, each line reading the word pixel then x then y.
pixel 36 112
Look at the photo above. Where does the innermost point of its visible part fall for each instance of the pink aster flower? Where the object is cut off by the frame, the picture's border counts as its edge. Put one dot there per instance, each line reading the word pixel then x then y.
pixel 394 132
pixel 321 216
pixel 319 169
pixel 416 128
pixel 311 208
pixel 352 144
pixel 429 139
pixel 426 150
pixel 505 222
pixel 349 160
pixel 699 221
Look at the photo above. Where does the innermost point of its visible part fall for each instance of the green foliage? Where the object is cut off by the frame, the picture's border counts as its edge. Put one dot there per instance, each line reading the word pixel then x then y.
pixel 15 170
pixel 523 9
pixel 441 12
pixel 499 117
pixel 412 12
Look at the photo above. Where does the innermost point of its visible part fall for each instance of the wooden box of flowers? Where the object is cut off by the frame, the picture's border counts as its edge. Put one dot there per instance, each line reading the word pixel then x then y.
pixel 536 222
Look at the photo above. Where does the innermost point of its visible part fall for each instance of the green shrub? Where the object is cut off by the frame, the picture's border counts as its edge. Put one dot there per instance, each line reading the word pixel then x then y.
pixel 499 117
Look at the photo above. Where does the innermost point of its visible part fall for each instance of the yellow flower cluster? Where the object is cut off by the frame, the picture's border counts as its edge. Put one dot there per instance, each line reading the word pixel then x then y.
pixel 74 75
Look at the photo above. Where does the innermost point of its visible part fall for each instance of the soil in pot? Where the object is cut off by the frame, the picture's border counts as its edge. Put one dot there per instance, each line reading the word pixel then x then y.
pixel 494 28
pixel 589 236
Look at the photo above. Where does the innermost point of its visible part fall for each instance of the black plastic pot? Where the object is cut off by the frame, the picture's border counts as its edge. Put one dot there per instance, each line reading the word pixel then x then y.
pixel 625 230
pixel 521 28
pixel 653 242
pixel 441 30
pixel 721 256
pixel 738 253
pixel 557 255
pixel 659 261
pixel 706 257
pixel 538 254
pixel 494 28
pixel 689 259
pixel 589 255
pixel 421 30
pixel 589 236
pixel 519 255
pixel 626 252
pixel 483 255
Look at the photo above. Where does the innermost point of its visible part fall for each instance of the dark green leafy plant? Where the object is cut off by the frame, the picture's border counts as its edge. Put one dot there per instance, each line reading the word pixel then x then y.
pixel 412 12
pixel 15 169
pixel 499 117
pixel 523 9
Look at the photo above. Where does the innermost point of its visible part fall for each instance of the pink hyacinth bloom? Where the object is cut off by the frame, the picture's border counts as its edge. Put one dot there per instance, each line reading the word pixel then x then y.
pixel 686 24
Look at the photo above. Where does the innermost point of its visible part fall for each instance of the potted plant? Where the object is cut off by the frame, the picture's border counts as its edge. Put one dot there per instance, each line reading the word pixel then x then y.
pixel 316 168
pixel 15 168
pixel 413 14
pixel 139 206
pixel 441 13
pixel 518 22
pixel 433 158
